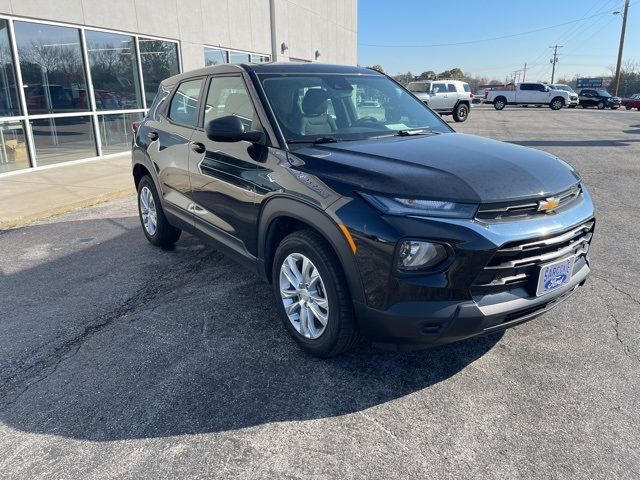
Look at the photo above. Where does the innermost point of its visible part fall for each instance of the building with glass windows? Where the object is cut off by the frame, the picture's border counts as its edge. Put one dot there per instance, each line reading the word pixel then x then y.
pixel 74 74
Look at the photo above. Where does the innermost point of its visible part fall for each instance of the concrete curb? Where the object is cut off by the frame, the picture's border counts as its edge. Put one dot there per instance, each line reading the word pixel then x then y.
pixel 26 220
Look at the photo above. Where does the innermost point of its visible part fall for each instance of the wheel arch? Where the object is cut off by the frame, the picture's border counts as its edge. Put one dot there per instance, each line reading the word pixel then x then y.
pixel 284 215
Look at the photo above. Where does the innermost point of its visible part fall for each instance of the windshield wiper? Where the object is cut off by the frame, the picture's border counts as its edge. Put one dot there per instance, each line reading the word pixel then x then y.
pixel 419 131
pixel 317 140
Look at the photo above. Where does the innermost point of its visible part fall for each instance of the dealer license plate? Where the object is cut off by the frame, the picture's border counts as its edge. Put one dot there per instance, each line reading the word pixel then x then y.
pixel 555 275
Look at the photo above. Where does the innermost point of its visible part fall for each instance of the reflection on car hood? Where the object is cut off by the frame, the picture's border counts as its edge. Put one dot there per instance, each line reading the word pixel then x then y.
pixel 452 166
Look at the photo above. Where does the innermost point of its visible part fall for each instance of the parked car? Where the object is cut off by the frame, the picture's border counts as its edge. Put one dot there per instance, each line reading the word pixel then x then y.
pixel 447 97
pixel 529 94
pixel 599 98
pixel 394 228
pixel 574 100
pixel 632 102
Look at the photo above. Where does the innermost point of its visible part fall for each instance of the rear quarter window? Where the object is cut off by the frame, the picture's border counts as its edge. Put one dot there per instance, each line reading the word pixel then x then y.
pixel 466 87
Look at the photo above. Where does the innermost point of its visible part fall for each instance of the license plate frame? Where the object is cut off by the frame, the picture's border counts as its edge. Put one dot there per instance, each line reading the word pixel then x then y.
pixel 555 275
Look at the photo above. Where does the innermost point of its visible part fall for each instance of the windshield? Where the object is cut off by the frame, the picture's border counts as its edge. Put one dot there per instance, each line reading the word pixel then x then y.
pixel 316 107
pixel 419 87
pixel 603 93
pixel 566 88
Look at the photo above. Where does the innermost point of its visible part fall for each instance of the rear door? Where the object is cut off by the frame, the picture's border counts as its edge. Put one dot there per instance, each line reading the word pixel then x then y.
pixel 587 97
pixel 169 134
pixel 529 93
pixel 226 175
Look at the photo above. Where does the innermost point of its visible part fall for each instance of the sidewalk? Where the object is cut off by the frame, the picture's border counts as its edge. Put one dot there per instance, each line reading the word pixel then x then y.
pixel 37 194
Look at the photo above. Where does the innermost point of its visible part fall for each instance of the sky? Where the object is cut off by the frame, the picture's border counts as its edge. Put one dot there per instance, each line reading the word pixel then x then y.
pixel 407 35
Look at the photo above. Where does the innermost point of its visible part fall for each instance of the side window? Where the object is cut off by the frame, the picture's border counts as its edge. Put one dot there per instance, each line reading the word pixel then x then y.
pixel 542 87
pixel 451 87
pixel 158 100
pixel 439 88
pixel 526 86
pixel 184 104
pixel 228 96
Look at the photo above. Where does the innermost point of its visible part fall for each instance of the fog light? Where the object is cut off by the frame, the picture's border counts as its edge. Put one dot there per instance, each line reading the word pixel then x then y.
pixel 415 255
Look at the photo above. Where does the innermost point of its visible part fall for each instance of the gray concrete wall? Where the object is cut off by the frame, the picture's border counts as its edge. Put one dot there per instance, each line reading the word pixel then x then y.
pixel 328 26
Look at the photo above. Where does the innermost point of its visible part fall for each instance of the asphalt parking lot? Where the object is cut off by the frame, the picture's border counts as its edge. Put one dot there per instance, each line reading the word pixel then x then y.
pixel 121 360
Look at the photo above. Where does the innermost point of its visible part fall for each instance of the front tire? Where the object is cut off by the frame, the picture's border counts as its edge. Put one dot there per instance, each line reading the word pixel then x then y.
pixel 312 295
pixel 600 105
pixel 155 225
pixel 556 103
pixel 461 112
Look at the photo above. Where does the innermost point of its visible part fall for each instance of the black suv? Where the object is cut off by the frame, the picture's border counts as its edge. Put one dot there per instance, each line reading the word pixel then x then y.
pixel 369 218
pixel 599 98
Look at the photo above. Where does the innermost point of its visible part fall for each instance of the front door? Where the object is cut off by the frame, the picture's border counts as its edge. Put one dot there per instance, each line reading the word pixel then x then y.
pixel 226 175
pixel 438 100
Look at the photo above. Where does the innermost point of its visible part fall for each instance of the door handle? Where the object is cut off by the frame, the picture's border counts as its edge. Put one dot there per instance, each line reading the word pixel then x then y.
pixel 153 136
pixel 198 147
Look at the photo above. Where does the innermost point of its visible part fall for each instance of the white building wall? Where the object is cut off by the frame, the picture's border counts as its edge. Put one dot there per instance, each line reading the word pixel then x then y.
pixel 305 26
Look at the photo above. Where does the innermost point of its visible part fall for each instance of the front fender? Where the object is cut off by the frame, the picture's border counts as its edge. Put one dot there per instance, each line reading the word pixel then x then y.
pixel 327 227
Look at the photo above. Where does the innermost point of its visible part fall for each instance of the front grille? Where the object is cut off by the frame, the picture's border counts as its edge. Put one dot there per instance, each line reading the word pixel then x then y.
pixel 517 264
pixel 514 210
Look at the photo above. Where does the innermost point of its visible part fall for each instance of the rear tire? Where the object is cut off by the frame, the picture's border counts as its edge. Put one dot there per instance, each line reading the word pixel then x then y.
pixel 499 103
pixel 461 112
pixel 154 222
pixel 629 108
pixel 339 331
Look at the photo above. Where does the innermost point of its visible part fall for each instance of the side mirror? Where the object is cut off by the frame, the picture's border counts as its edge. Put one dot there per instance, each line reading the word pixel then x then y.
pixel 547 89
pixel 231 129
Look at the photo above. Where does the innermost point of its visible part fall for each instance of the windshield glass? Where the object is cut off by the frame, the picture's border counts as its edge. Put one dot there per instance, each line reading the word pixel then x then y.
pixel 310 107
pixel 566 88
pixel 419 87
pixel 603 93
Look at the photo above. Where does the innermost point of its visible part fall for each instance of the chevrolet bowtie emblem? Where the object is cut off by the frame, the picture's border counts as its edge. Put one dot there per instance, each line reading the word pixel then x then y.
pixel 548 205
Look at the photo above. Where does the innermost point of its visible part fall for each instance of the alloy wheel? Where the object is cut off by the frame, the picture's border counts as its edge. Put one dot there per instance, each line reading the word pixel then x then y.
pixel 304 296
pixel 148 211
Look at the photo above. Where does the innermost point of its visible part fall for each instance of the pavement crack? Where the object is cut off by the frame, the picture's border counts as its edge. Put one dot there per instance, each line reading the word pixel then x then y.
pixel 17 384
pixel 615 322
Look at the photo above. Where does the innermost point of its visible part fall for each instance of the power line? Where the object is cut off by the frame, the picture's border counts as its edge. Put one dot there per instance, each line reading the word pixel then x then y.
pixel 469 42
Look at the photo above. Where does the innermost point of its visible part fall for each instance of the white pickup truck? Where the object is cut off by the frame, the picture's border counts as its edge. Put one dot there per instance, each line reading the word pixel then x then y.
pixel 530 94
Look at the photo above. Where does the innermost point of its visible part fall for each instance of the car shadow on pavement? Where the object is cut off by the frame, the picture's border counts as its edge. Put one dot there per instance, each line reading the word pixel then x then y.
pixel 128 341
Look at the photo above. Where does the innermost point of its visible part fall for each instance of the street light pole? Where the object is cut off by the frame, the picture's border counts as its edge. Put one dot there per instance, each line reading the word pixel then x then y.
pixel 622 32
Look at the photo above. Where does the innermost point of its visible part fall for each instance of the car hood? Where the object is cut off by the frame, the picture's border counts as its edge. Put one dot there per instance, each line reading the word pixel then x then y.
pixel 449 166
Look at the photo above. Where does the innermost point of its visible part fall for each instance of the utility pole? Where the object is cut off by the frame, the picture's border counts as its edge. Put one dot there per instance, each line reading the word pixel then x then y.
pixel 619 65
pixel 524 72
pixel 554 60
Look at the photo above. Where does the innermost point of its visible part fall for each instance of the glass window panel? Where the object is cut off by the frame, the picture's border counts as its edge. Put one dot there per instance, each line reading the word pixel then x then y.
pixel 115 131
pixel 60 140
pixel 237 57
pixel 13 147
pixel 114 71
pixel 9 104
pixel 228 96
pixel 52 68
pixel 214 56
pixel 259 58
pixel 159 61
pixel 184 104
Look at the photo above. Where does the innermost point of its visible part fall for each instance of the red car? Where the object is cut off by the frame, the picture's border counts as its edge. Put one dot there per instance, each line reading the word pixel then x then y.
pixel 632 102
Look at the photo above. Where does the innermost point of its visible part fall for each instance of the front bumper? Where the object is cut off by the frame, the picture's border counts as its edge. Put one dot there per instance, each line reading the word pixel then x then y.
pixel 415 325
pixel 445 307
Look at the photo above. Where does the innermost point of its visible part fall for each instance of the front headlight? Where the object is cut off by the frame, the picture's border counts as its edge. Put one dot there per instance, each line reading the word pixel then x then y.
pixel 427 208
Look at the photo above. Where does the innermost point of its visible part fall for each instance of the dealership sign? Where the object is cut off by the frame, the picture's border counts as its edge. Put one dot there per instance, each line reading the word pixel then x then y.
pixel 593 82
